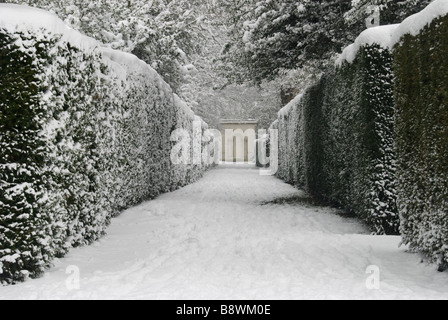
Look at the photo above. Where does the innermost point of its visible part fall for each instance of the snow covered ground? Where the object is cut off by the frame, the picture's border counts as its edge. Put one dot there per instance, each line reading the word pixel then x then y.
pixel 236 235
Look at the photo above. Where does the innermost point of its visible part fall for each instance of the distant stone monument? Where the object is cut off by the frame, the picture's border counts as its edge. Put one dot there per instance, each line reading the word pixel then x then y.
pixel 239 140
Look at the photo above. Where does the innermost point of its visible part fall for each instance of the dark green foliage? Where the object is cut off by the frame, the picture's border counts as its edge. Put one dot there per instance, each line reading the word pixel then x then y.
pixel 336 140
pixel 379 157
pixel 82 137
pixel 421 98
pixel 314 129
pixel 24 227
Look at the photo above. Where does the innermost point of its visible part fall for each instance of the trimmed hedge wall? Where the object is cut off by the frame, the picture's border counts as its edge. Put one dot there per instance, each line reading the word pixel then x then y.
pixel 336 140
pixel 372 135
pixel 422 139
pixel 84 134
pixel 357 139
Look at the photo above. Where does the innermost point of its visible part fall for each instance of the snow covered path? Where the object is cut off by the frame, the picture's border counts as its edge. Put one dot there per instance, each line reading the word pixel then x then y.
pixel 236 235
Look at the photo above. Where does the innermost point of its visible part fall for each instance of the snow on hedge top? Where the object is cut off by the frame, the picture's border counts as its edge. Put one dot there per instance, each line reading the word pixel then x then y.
pixel 16 18
pixel 287 109
pixel 388 36
pixel 378 35
pixel 415 23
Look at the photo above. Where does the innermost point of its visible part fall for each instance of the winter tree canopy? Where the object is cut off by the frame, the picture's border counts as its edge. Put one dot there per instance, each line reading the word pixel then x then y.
pixel 269 36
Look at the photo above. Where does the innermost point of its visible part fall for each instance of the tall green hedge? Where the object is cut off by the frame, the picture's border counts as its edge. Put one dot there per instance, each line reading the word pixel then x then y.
pixel 23 225
pixel 357 139
pixel 421 97
pixel 336 140
pixel 372 136
pixel 84 133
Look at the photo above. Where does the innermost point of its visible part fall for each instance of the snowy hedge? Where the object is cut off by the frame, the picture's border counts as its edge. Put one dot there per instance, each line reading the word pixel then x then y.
pixel 422 131
pixel 357 139
pixel 84 133
pixel 290 149
pixel 336 139
pixel 372 135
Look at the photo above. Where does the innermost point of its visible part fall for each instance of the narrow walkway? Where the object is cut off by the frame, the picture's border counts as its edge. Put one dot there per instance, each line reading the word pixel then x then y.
pixel 236 235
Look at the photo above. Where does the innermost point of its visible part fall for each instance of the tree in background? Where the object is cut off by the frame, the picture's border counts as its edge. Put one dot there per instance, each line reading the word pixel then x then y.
pixel 269 36
pixel 294 41
pixel 161 32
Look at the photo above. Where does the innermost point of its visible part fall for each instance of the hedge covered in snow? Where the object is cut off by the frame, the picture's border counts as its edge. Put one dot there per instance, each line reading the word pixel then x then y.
pixel 336 139
pixel 421 97
pixel 372 134
pixel 84 133
pixel 358 159
pixel 290 150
